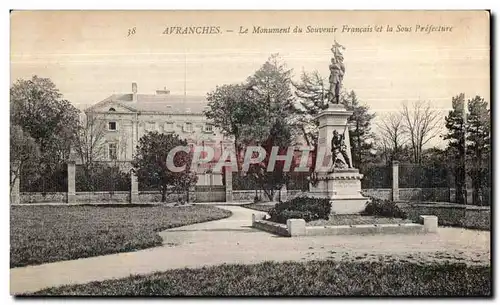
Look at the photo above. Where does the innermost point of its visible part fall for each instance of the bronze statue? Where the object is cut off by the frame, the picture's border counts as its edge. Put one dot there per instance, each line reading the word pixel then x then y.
pixel 337 71
pixel 339 147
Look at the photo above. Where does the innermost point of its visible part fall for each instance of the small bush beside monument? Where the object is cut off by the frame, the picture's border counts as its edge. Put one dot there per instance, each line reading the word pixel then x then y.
pixel 384 208
pixel 306 208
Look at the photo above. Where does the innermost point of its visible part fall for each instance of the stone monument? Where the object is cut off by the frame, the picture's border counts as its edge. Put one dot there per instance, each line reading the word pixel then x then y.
pixel 339 181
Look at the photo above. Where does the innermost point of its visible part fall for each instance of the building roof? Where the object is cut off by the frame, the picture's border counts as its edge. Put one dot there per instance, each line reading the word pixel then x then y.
pixel 168 103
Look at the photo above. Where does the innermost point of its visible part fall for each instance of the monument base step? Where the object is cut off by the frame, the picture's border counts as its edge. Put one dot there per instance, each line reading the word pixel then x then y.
pixel 348 206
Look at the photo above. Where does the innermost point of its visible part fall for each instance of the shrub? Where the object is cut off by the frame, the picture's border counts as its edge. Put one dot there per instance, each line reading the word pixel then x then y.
pixel 306 208
pixel 385 208
pixel 101 178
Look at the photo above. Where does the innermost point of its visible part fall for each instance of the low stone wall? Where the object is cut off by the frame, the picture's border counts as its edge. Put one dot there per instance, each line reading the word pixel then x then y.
pixel 37 197
pixel 214 196
pixel 151 196
pixel 425 194
pixel 383 194
pixel 97 197
pixel 245 195
pixel 102 197
pixel 272 227
pixel 404 228
pixel 249 195
pixel 411 194
pixel 451 214
pixel 297 227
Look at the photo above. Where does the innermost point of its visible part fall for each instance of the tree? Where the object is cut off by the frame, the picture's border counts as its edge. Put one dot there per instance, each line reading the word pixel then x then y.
pixel 421 124
pixel 361 137
pixel 231 111
pixel 455 123
pixel 392 136
pixel 23 152
pixel 39 109
pixel 271 92
pixel 88 143
pixel 272 181
pixel 150 164
pixel 478 146
pixel 311 94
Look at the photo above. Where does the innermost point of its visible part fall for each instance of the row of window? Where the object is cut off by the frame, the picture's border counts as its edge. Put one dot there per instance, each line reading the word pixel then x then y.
pixel 113 151
pixel 169 126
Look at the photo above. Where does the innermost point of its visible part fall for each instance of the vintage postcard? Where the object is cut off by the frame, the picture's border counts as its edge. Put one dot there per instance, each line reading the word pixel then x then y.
pixel 250 153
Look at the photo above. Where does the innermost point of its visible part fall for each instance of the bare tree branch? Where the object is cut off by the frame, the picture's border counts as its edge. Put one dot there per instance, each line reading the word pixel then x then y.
pixel 421 124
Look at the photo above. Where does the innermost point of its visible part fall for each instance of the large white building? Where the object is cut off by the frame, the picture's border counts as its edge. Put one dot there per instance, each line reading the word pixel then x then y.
pixel 128 116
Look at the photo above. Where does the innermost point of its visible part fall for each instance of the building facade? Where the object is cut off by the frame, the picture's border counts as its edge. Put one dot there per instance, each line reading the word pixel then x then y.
pixel 127 117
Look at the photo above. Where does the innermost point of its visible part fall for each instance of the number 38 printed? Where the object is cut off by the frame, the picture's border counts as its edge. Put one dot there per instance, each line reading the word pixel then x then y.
pixel 131 31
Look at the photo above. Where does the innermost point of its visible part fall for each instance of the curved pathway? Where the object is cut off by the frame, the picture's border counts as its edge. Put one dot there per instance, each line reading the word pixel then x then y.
pixel 232 240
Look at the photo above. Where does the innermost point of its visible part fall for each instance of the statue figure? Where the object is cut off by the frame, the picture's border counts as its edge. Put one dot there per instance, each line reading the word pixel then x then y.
pixel 339 147
pixel 337 71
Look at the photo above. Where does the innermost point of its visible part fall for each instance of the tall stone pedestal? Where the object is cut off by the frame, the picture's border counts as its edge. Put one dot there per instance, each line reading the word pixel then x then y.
pixel 341 185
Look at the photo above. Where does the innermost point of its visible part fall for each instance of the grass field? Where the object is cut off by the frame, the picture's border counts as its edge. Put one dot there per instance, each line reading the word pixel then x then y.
pixel 42 234
pixel 319 278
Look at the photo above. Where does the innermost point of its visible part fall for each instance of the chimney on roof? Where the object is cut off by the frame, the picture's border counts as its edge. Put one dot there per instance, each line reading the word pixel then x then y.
pixel 134 92
pixel 163 91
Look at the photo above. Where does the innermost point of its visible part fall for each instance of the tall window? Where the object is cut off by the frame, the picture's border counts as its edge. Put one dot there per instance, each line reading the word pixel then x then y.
pixel 150 126
pixel 169 126
pixel 188 127
pixel 112 151
pixel 112 125
pixel 208 127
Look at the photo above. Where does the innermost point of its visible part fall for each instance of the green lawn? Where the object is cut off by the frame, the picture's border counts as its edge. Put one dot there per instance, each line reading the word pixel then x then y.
pixel 318 278
pixel 42 234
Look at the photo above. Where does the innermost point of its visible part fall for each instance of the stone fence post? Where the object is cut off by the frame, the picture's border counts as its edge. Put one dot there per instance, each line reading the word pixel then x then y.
pixel 134 188
pixel 191 194
pixel 284 193
pixel 395 181
pixel 229 183
pixel 15 197
pixel 71 182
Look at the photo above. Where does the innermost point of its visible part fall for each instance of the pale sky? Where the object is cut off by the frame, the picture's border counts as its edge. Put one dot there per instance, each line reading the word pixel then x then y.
pixel 89 56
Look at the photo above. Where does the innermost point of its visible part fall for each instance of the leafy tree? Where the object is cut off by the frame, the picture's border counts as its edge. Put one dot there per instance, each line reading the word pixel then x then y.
pixel 231 110
pixel 40 110
pixel 271 93
pixel 312 96
pixel 272 181
pixel 478 146
pixel 24 152
pixel 455 123
pixel 257 112
pixel 361 137
pixel 150 164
